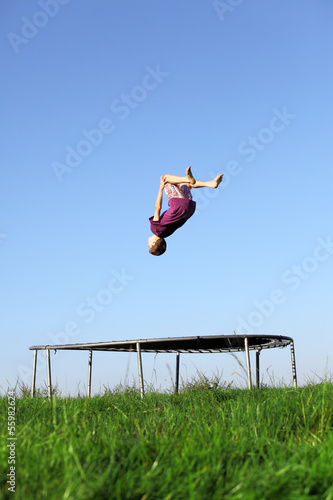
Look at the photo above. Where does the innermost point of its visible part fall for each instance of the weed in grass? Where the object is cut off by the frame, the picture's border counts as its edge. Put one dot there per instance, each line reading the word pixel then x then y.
pixel 202 383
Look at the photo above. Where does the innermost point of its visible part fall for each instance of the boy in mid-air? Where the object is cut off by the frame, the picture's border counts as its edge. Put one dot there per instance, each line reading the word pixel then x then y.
pixel 182 207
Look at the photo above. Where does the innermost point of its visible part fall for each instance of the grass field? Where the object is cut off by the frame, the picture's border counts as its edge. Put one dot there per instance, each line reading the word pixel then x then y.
pixel 204 443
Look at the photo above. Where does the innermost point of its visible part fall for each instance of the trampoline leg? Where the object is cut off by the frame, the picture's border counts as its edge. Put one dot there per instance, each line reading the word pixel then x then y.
pixel 89 374
pixel 34 366
pixel 258 368
pixel 246 345
pixel 138 350
pixel 177 373
pixel 293 363
pixel 48 367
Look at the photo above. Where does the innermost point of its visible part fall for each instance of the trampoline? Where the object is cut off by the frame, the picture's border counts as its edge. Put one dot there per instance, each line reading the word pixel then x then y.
pixel 210 344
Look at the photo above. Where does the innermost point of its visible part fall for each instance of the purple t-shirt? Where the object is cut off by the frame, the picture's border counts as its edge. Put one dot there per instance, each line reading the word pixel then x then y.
pixel 181 209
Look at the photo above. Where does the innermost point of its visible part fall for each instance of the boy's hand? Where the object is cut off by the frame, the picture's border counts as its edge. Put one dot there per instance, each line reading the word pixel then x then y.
pixel 163 181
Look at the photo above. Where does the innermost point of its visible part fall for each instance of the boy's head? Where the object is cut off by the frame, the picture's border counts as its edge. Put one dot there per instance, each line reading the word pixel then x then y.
pixel 157 245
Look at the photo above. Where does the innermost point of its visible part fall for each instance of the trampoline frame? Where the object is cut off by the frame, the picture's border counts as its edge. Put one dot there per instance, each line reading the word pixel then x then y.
pixel 176 345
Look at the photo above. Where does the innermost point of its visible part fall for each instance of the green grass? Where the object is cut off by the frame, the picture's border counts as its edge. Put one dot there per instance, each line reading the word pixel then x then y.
pixel 205 443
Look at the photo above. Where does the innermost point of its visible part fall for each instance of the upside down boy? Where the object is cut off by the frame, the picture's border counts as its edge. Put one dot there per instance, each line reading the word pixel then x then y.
pixel 182 207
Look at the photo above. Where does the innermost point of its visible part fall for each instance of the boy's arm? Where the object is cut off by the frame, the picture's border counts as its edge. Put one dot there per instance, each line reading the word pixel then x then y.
pixel 158 203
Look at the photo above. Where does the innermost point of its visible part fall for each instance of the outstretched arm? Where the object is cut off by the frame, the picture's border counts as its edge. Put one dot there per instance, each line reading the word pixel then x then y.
pixel 158 203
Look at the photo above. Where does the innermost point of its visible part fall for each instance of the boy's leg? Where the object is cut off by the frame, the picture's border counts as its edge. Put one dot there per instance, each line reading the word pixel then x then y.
pixel 175 179
pixel 189 179
pixel 214 183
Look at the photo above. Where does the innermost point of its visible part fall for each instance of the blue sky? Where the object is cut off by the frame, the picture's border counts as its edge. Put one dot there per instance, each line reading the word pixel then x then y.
pixel 99 99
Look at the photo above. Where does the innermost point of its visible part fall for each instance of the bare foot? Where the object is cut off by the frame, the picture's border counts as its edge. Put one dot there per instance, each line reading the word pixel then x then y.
pixel 218 180
pixel 190 177
pixel 215 182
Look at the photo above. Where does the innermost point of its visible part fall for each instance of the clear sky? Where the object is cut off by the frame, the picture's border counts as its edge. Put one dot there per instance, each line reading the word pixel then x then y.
pixel 98 100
